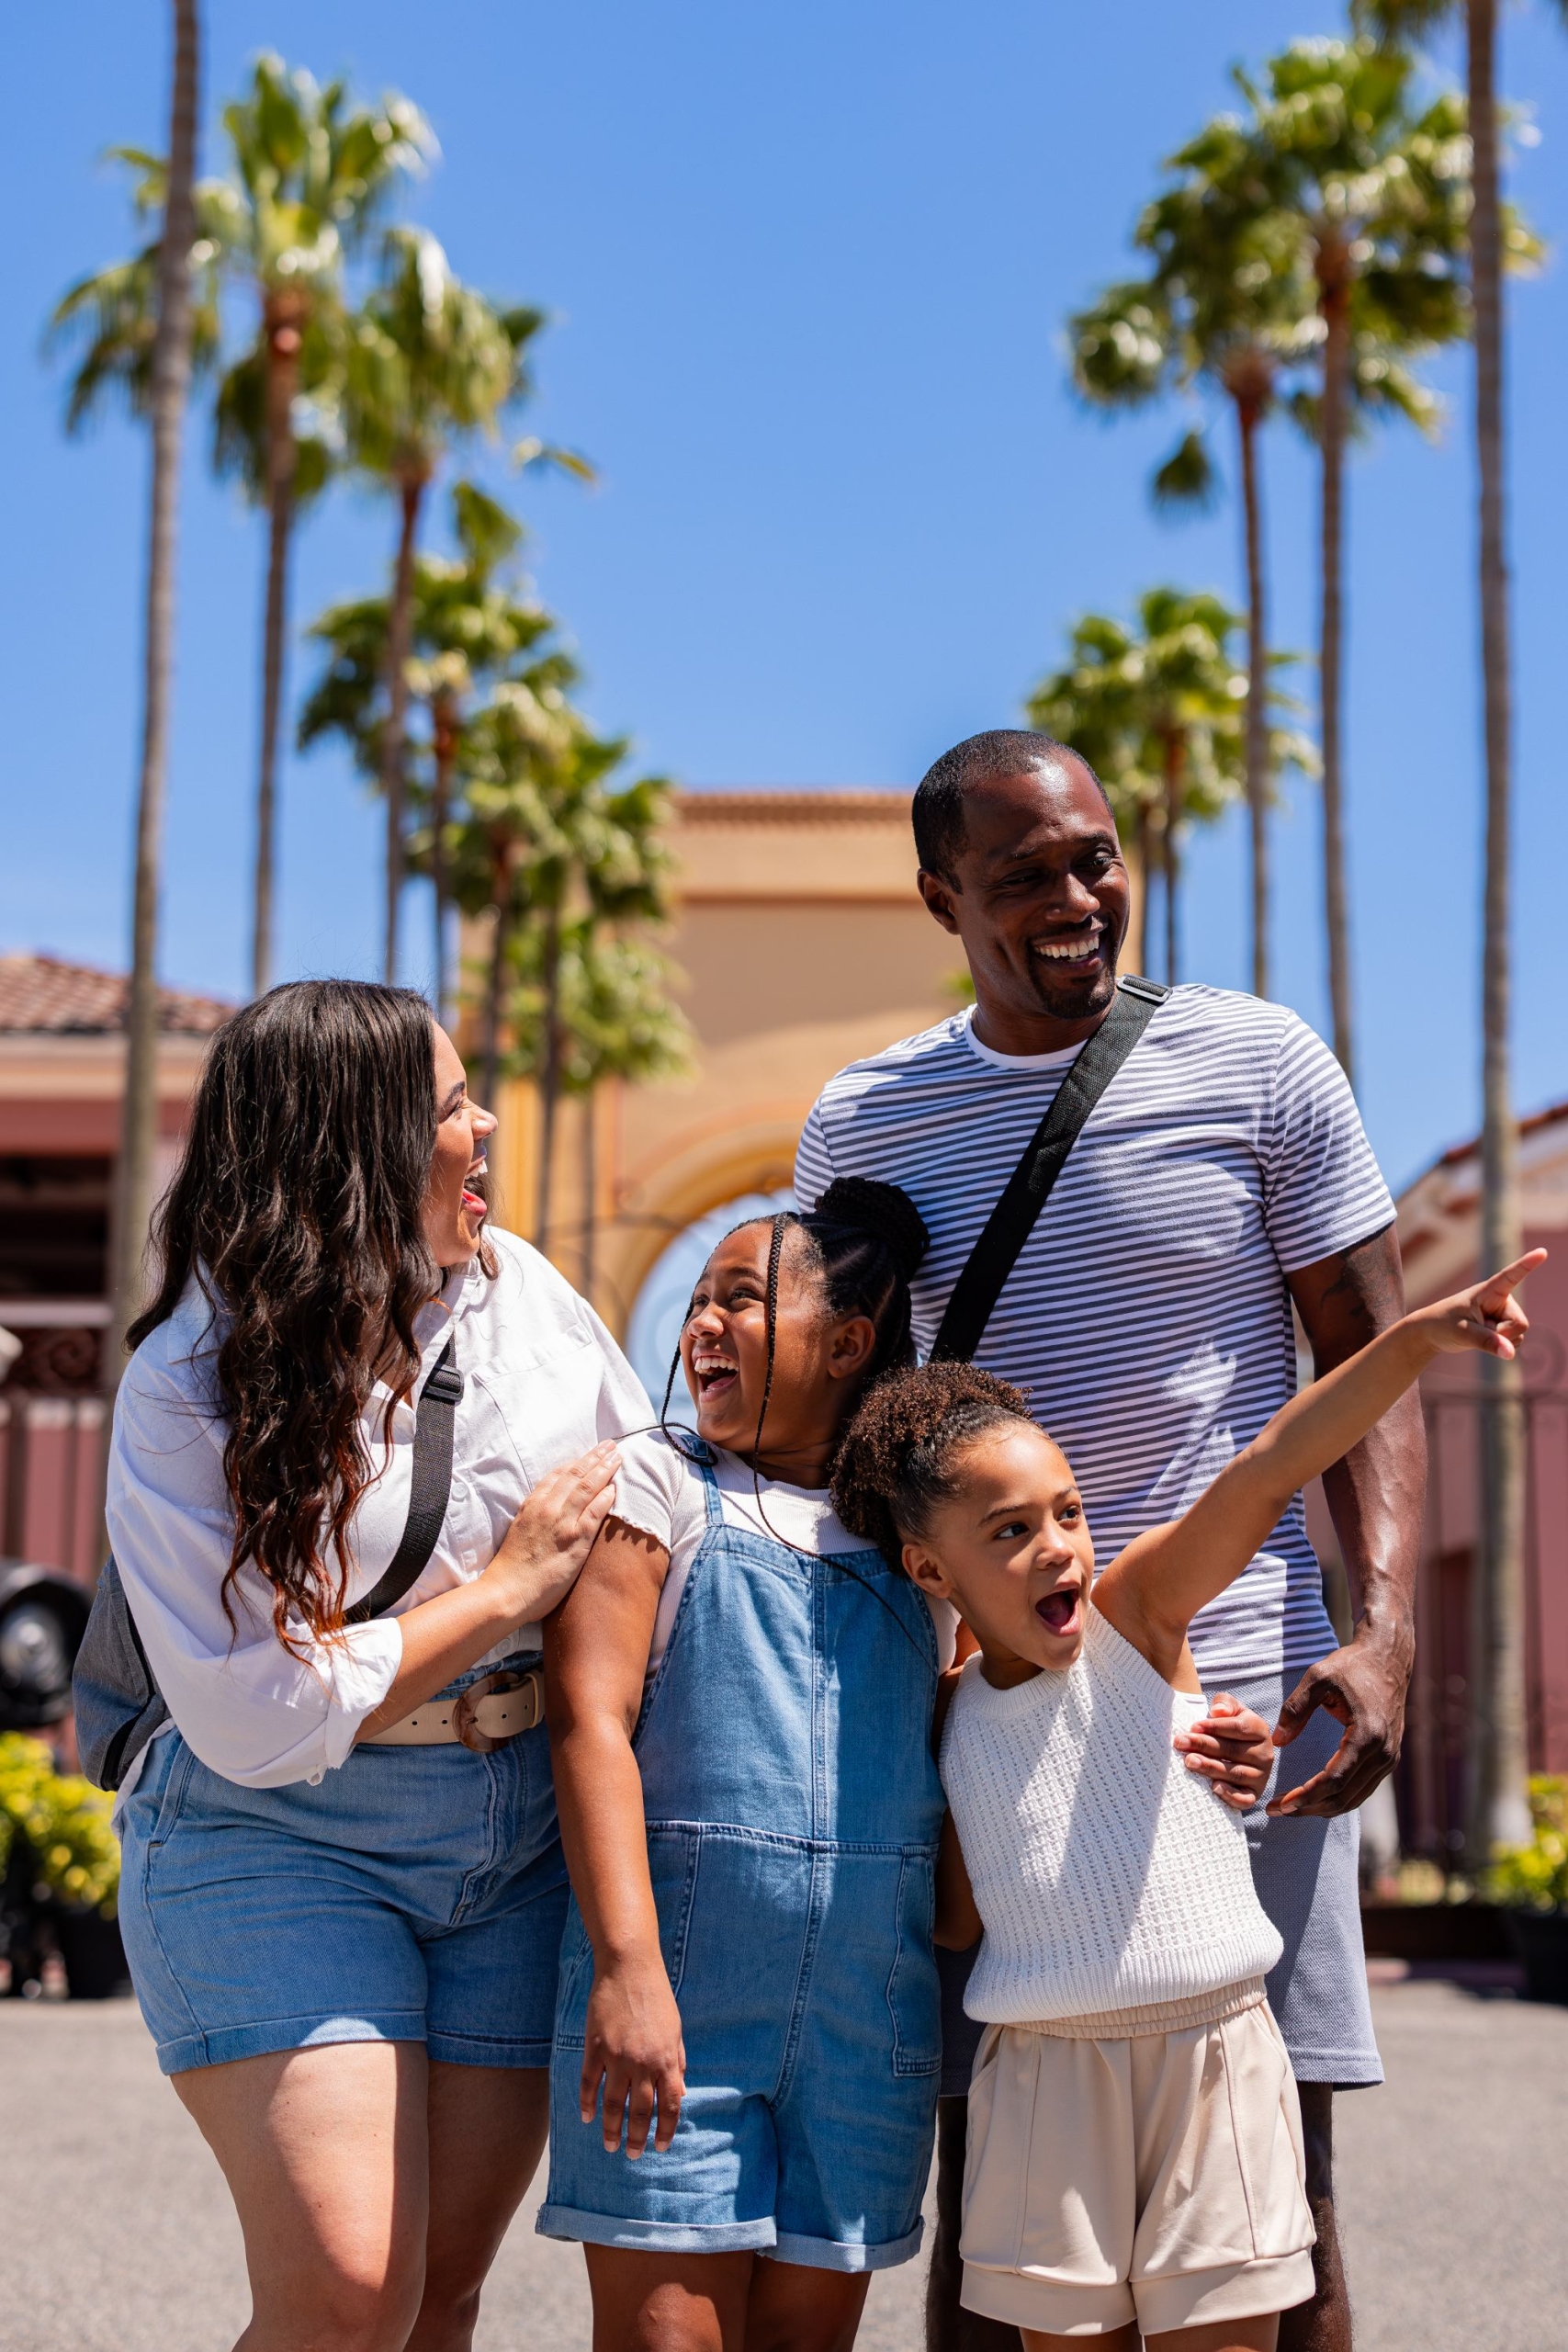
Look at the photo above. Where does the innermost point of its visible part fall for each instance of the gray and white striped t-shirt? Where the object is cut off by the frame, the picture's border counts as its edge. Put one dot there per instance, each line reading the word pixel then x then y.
pixel 1147 1316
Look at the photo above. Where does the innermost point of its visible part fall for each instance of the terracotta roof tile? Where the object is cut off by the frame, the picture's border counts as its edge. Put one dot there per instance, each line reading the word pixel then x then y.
pixel 44 995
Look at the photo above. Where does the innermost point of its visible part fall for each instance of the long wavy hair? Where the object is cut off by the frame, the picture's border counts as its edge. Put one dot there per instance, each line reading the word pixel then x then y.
pixel 297 1209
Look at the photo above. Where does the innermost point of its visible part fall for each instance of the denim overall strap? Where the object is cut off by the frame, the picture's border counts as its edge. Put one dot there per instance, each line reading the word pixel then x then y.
pixel 713 1501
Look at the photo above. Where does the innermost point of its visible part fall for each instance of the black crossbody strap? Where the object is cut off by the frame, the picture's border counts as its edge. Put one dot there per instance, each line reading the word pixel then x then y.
pixel 430 1489
pixel 1009 1226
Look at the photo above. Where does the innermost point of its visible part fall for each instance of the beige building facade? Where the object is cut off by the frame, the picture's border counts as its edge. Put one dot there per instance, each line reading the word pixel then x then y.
pixel 802 943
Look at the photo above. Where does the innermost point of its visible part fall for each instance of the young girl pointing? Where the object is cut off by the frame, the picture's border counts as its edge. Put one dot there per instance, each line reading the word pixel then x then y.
pixel 1135 2157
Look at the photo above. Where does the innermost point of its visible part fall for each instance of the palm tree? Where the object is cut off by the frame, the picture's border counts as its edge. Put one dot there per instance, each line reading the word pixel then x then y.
pixel 168 393
pixel 1500 1810
pixel 110 317
pixel 507 756
pixel 1225 304
pixel 468 626
pixel 1379 194
pixel 1164 707
pixel 142 328
pixel 617 1020
pixel 310 173
pixel 430 362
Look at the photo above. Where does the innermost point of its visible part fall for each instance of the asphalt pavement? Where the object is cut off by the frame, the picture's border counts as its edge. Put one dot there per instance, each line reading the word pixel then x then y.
pixel 116 2234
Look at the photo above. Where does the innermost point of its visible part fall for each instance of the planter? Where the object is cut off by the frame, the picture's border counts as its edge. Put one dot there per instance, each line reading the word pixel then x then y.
pixel 1418 1931
pixel 93 1953
pixel 1541 1940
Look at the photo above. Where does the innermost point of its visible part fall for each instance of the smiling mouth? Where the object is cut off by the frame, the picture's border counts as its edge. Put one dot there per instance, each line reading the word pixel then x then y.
pixel 1058 1610
pixel 475 1203
pixel 1075 948
pixel 716 1377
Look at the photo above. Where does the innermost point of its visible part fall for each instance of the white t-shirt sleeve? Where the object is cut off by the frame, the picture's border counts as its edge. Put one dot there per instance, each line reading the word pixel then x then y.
pixel 252 1710
pixel 650 1489
pixel 1322 1189
pixel 814 1170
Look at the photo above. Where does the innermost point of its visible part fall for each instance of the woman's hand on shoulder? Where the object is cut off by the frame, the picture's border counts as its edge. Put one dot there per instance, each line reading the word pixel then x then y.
pixel 538 1558
pixel 633 2047
pixel 1231 1747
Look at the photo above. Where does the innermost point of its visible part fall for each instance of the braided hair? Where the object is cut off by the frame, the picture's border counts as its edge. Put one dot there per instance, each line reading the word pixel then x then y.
pixel 897 1460
pixel 864 1240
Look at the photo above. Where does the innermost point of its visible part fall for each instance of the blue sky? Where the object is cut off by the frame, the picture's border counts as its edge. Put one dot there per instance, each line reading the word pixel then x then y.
pixel 808 270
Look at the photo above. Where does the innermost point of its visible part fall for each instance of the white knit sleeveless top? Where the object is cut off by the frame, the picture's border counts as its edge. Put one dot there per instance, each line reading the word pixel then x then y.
pixel 1107 1875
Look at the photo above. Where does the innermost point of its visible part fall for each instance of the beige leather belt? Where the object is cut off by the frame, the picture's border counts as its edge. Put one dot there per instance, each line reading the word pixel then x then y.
pixel 485 1716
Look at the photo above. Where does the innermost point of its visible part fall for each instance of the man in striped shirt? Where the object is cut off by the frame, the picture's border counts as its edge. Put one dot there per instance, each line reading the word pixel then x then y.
pixel 1222 1174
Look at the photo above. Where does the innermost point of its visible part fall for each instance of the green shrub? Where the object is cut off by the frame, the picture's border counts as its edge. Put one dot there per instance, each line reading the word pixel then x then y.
pixel 66 1821
pixel 1535 1877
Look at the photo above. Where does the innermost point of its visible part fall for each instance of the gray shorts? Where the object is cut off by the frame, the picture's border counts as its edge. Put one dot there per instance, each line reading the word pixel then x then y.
pixel 1307 1880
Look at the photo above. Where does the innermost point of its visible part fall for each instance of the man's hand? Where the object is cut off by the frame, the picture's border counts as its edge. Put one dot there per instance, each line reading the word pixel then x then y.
pixel 1362 1687
pixel 1233 1750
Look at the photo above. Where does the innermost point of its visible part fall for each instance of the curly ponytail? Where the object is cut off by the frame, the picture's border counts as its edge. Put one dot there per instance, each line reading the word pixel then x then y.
pixel 897 1459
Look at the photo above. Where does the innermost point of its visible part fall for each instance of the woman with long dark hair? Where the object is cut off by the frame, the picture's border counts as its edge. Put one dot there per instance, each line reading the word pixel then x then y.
pixel 343 1888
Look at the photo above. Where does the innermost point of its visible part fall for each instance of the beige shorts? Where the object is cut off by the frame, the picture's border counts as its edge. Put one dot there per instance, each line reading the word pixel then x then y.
pixel 1157 2177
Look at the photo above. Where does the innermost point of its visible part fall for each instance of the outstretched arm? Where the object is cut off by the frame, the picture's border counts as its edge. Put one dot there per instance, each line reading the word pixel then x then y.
pixel 1152 1592
pixel 596 1649
pixel 1376 1497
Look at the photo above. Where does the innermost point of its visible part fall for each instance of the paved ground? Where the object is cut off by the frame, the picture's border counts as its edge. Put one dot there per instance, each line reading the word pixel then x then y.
pixel 116 2234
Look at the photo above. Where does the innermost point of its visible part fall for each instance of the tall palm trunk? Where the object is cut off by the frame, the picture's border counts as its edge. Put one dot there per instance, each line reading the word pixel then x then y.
pixel 1500 1810
pixel 1334 285
pixel 399 629
pixel 171 384
pixel 1134 947
pixel 590 1195
pixel 1248 417
pixel 495 986
pixel 284 317
pixel 1175 761
pixel 444 754
pixel 549 1074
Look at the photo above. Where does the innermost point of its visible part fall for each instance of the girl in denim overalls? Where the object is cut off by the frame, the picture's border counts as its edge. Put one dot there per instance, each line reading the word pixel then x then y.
pixel 741 1703
pixel 741 1694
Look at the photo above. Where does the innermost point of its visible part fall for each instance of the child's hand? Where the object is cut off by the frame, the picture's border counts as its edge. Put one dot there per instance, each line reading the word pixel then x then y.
pixel 1488 1317
pixel 1230 1747
pixel 633 2046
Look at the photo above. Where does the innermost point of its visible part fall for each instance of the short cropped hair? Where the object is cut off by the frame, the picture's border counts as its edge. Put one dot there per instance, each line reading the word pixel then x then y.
pixel 938 812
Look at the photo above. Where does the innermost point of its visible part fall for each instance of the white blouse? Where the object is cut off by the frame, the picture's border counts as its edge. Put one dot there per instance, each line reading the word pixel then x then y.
pixel 543 1381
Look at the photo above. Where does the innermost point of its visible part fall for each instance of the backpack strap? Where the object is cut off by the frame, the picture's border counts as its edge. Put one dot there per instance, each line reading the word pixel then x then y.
pixel 1010 1223
pixel 430 1489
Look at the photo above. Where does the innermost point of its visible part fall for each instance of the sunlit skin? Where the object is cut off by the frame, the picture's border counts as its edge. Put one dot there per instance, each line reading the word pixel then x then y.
pixel 1040 897
pixel 455 1206
pixel 819 1359
pixel 1013 1554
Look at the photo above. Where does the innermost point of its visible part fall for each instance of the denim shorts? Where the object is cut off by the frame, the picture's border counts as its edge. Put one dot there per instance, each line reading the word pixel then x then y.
pixel 808 2005
pixel 415 1894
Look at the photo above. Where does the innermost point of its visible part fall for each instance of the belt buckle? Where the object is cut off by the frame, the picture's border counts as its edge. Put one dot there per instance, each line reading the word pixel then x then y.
pixel 464 1722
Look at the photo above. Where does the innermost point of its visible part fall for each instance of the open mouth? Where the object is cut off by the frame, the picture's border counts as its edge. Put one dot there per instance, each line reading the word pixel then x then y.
pixel 716 1377
pixel 1058 1611
pixel 474 1202
pixel 1071 951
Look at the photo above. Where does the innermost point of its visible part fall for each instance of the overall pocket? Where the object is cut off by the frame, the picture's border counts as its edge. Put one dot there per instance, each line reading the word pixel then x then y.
pixel 914 1993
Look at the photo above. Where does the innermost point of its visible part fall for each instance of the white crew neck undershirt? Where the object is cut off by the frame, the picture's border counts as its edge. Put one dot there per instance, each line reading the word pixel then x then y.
pixel 1021 1062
